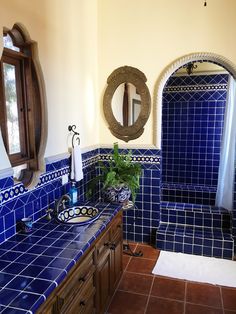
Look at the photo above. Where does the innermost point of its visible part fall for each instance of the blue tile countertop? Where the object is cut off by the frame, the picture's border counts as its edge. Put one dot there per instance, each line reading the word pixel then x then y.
pixel 33 265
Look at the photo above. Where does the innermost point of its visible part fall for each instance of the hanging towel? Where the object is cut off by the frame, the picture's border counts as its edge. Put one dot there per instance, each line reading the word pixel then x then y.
pixel 76 164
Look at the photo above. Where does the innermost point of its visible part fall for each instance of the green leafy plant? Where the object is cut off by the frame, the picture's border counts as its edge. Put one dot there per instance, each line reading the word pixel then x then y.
pixel 119 171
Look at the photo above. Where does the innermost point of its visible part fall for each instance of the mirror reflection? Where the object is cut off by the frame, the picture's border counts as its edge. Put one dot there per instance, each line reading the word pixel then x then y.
pixel 126 104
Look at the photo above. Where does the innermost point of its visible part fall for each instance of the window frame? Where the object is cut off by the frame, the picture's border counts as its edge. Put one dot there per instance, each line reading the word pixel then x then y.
pixel 31 102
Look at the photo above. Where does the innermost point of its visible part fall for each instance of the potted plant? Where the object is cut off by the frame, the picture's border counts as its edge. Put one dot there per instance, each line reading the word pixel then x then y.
pixel 119 177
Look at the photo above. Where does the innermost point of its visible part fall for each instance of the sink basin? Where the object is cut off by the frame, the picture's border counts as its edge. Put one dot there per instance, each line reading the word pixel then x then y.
pixel 79 215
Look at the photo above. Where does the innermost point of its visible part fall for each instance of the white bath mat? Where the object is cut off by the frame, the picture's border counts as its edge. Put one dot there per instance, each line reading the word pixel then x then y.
pixel 196 268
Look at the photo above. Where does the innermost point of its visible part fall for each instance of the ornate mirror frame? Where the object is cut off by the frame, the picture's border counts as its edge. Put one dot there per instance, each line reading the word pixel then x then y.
pixel 173 67
pixel 138 79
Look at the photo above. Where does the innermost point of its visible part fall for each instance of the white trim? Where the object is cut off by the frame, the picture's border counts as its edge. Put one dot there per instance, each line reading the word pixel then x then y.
pixel 8 172
pixel 130 146
pixel 55 158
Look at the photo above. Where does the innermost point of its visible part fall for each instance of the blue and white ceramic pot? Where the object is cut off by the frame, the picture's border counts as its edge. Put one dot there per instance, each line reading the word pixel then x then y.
pixel 119 194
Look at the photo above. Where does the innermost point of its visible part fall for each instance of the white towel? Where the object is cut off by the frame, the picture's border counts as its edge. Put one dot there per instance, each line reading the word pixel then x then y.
pixel 76 164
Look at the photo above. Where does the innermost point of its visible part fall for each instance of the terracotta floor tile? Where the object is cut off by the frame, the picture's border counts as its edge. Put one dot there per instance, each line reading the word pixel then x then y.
pixel 125 260
pixel 196 309
pixel 229 298
pixel 163 306
pixel 141 265
pixel 168 288
pixel 203 294
pixel 127 303
pixel 136 283
pixel 148 251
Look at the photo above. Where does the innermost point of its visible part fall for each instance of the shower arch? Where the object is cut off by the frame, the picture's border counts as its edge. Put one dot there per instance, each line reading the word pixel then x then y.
pixel 173 67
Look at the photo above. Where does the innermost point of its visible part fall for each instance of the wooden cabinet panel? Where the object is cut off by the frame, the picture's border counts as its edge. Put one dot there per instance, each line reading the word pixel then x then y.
pixel 75 285
pixel 117 265
pixel 109 263
pixel 91 283
pixel 84 301
pixel 103 283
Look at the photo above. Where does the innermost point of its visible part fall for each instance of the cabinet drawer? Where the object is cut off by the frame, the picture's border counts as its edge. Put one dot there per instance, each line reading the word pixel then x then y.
pixel 84 301
pixel 77 281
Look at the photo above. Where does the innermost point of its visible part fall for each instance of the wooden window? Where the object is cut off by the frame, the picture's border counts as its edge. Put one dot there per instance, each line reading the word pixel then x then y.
pixel 21 105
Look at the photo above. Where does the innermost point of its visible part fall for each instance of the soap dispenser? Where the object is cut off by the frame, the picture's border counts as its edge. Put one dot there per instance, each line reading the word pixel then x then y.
pixel 73 193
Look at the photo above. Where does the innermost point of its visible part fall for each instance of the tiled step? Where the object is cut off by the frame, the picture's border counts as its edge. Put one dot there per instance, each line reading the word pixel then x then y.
pixel 213 242
pixel 195 215
pixel 187 193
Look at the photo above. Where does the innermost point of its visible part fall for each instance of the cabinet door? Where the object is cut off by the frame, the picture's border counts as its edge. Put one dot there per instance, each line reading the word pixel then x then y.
pixel 103 280
pixel 116 261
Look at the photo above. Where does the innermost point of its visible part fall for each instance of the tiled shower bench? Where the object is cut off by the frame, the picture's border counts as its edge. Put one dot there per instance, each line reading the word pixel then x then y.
pixel 62 265
pixel 195 229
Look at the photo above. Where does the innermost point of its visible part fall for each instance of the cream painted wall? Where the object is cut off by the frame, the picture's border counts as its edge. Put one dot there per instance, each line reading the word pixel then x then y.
pixel 151 34
pixel 66 33
pixel 82 41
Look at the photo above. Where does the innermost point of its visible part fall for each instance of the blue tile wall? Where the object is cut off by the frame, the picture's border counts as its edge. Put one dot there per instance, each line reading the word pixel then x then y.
pixel 140 224
pixel 192 124
pixel 17 202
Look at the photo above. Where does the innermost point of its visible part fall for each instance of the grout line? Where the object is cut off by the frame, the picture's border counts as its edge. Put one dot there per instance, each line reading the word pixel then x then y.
pixel 124 270
pixel 144 274
pixel 222 302
pixel 205 305
pixel 185 296
pixel 149 295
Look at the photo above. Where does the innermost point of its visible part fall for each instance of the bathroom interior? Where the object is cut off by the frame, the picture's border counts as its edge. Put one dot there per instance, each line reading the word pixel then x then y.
pixel 177 59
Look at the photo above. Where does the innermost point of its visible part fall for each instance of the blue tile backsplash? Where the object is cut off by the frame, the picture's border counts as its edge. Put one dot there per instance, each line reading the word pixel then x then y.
pixel 192 125
pixel 150 221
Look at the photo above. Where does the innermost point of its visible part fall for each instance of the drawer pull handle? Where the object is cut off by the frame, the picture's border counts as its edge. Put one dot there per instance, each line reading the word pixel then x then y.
pixel 81 279
pixel 107 243
pixel 113 246
pixel 82 303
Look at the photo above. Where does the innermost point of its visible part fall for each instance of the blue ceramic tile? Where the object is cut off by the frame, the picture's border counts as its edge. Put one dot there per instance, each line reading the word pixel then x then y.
pixel 19 283
pixel 10 256
pixel 37 249
pixel 5 279
pixel 7 295
pixel 62 263
pixel 26 258
pixel 32 271
pixel 11 310
pixel 14 268
pixel 52 274
pixel 42 260
pixel 26 300
pixel 40 286
pixel 52 251
pixel 21 247
pixel 69 253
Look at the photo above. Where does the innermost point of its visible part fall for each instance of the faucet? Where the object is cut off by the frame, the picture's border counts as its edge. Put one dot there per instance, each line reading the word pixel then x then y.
pixel 60 205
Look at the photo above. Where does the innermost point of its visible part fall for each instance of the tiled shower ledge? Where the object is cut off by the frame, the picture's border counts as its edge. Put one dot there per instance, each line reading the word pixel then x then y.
pixel 33 265
pixel 193 207
pixel 188 187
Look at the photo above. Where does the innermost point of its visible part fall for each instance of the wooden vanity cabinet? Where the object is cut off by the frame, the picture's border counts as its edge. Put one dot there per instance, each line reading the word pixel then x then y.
pixel 109 263
pixel 91 283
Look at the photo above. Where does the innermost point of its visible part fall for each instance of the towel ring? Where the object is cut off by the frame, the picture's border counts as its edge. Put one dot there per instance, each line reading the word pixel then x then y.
pixel 75 137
